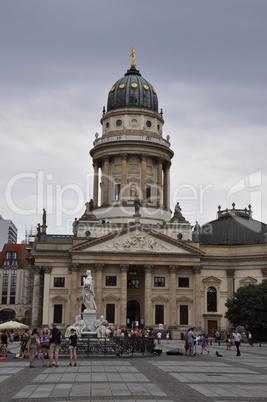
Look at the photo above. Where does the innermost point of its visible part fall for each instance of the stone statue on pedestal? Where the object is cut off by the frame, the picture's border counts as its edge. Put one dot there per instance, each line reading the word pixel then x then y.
pixel 88 292
pixel 78 326
pixel 101 327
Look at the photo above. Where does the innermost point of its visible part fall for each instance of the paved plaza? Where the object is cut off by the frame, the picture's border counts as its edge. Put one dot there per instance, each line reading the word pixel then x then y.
pixel 161 378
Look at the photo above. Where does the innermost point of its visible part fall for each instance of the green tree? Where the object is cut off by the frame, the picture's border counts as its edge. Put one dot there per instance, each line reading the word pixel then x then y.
pixel 248 308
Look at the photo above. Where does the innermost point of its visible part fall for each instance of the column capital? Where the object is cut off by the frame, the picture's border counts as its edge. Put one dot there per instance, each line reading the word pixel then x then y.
pixel 124 267
pixel 37 269
pixel 73 268
pixel 95 163
pixel 160 159
pixel 148 268
pixel 173 269
pixel 230 273
pixel 99 267
pixel 47 270
pixel 196 269
pixel 106 158
pixel 264 272
pixel 143 156
pixel 124 155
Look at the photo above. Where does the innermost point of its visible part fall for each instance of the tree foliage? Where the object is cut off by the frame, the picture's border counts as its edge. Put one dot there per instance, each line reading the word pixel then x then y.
pixel 248 308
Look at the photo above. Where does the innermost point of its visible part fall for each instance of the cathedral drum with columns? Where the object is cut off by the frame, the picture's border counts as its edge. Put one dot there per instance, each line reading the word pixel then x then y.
pixel 149 268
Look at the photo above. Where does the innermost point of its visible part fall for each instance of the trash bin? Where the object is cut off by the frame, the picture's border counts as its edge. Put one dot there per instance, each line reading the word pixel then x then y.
pixel 182 336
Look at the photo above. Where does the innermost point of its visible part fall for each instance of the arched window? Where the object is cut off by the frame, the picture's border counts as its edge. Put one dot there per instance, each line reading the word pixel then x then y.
pixel 211 300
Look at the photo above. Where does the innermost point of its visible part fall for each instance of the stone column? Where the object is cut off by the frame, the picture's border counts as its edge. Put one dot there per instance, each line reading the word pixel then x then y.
pixel 95 196
pixel 143 178
pixel 166 186
pixel 159 184
pixel 172 295
pixel 46 301
pixel 123 302
pixel 105 180
pixel 98 288
pixel 73 270
pixel 123 176
pixel 148 295
pixel 230 279
pixel 36 296
pixel 197 271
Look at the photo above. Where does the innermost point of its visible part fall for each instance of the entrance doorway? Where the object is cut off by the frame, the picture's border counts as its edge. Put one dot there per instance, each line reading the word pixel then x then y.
pixel 133 314
pixel 212 327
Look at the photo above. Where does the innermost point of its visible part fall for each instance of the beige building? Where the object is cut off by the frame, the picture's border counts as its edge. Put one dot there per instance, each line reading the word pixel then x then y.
pixel 148 266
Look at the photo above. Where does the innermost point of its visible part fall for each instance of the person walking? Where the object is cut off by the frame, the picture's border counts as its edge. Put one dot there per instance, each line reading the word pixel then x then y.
pixel 167 337
pixel 250 341
pixel 73 346
pixel 32 347
pixel 203 344
pixel 159 337
pixel 45 344
pixel 191 341
pixel 237 338
pixel 55 338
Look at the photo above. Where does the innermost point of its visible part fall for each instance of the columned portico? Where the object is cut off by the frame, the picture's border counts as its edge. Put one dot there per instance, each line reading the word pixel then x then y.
pixel 123 299
pixel 143 178
pixel 123 176
pixel 230 279
pixel 159 184
pixel 148 294
pixel 172 295
pixel 105 181
pixel 166 185
pixel 98 288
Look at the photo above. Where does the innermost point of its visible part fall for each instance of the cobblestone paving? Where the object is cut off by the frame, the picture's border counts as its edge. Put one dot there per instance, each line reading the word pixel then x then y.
pixel 161 378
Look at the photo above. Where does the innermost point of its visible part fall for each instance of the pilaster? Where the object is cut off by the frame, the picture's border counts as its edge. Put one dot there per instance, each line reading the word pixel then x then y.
pixel 123 302
pixel 98 288
pixel 148 295
pixel 172 294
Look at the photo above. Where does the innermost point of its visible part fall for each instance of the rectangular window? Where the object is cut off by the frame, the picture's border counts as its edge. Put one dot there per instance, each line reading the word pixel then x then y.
pixel 5 281
pixel 132 272
pixel 183 315
pixel 12 291
pixel 6 272
pixel 13 281
pixel 183 282
pixel 159 282
pixel 12 300
pixel 4 299
pixel 110 313
pixel 6 263
pixel 117 192
pixel 8 255
pixel 133 283
pixel 148 193
pixel 159 318
pixel 4 291
pixel 14 263
pixel 82 278
pixel 13 273
pixel 59 282
pixel 58 308
pixel 111 281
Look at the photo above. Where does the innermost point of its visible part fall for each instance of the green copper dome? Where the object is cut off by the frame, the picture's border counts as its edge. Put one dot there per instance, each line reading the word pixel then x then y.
pixel 132 91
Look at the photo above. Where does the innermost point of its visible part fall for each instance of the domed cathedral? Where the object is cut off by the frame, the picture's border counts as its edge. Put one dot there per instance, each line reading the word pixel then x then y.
pixel 149 268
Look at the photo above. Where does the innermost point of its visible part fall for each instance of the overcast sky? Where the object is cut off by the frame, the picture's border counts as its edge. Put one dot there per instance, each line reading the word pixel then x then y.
pixel 59 58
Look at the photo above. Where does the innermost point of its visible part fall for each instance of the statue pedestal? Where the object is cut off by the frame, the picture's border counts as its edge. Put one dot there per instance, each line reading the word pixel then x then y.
pixel 89 317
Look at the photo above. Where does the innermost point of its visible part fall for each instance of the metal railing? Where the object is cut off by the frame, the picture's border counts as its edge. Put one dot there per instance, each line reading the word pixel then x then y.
pixel 110 346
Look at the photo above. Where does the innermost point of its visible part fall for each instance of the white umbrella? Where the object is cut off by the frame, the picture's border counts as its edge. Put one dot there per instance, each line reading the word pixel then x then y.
pixel 13 325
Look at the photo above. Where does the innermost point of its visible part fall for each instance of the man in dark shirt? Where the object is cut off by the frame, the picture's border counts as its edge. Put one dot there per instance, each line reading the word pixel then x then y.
pixel 55 338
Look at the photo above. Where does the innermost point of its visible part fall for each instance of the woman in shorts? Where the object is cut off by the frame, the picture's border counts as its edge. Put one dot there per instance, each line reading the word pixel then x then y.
pixel 73 346
pixel 45 344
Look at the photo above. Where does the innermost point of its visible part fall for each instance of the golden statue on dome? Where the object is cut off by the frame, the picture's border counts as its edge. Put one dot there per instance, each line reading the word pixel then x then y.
pixel 133 57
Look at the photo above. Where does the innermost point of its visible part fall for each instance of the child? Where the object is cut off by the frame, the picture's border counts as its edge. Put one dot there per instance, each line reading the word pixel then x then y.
pixel 204 344
pixel 73 346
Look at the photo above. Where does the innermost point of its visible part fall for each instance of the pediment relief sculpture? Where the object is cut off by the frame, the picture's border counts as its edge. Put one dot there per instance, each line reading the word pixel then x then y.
pixel 138 241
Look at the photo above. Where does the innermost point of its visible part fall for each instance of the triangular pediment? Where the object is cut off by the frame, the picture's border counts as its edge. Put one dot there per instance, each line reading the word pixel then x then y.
pixel 248 280
pixel 136 239
pixel 111 298
pixel 184 299
pixel 58 298
pixel 211 279
pixel 160 299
